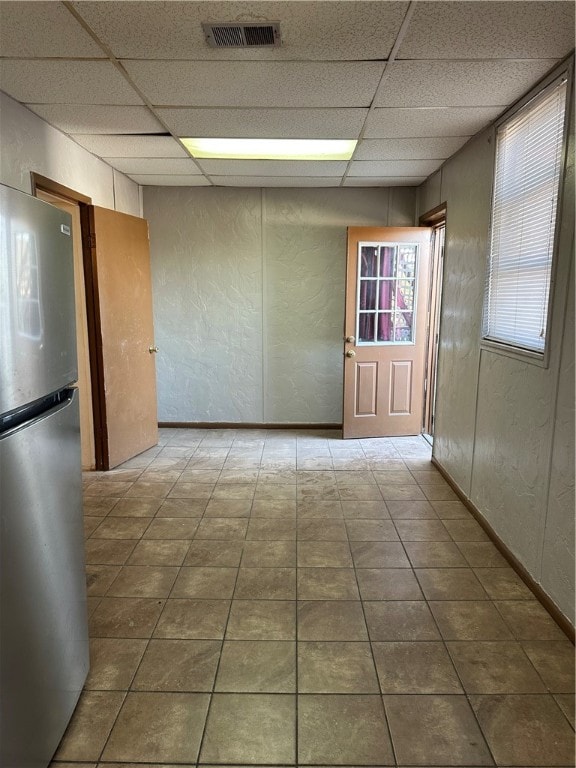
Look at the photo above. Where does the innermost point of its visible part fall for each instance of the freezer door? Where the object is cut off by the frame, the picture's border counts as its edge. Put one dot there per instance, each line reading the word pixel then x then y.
pixel 37 318
pixel 43 616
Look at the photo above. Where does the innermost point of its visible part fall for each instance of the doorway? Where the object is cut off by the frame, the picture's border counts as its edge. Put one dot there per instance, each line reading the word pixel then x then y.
pixel 437 220
pixel 70 201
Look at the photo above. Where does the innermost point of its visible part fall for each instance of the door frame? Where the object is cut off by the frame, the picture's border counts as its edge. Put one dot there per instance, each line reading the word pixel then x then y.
pixel 39 182
pixel 435 218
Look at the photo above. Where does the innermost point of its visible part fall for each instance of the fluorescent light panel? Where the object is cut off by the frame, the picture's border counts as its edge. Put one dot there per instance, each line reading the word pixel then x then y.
pixel 271 149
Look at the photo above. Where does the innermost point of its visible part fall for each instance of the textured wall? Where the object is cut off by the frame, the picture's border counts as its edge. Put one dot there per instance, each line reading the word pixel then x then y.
pixel 28 143
pixel 249 298
pixel 505 426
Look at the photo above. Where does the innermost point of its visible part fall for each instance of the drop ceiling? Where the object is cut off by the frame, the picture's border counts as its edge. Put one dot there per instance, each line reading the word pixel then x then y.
pixel 412 81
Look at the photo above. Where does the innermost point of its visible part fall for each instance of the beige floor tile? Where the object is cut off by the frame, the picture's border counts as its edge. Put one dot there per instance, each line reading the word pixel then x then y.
pixel 90 725
pixel 371 530
pixel 228 508
pixel 365 510
pixel 317 492
pixel 422 530
pixel 388 584
pixel 554 661
pixel 266 584
pixel 109 551
pixel 212 552
pixel 528 620
pixel 262 620
pixel 494 668
pixel 440 726
pixel 98 506
pixel 331 620
pixel 393 492
pixel 439 493
pixel 275 492
pixel 379 554
pixel 326 478
pixel 465 530
pixel 274 508
pixel 90 525
pixel 451 510
pixel 193 619
pixel 201 476
pixel 250 728
pixel 113 663
pixel 222 528
pixel 415 668
pixel 143 581
pixel 359 492
pixel 327 584
pixel 450 584
pixel 337 730
pixel 482 554
pixel 172 528
pixel 567 704
pixel 469 620
pixel 269 554
pixel 99 578
pixel 525 730
pixel 107 488
pixel 121 528
pixel 503 584
pixel 321 530
pixel 159 552
pixel 335 667
pixel 407 621
pixel 130 617
pixel 178 665
pixel 411 510
pixel 135 508
pixel 261 529
pixel 158 727
pixel 278 476
pixel 142 488
pixel 354 477
pixel 191 491
pixel 257 666
pixel 324 554
pixel 182 508
pixel 234 491
pixel 434 554
pixel 201 581
pixel 238 476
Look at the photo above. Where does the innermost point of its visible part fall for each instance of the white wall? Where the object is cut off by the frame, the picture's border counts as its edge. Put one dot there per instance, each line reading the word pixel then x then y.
pixel 505 427
pixel 248 289
pixel 28 143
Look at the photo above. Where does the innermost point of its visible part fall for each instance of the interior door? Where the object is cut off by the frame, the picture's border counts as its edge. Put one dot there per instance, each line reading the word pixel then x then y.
pixel 117 260
pixel 385 330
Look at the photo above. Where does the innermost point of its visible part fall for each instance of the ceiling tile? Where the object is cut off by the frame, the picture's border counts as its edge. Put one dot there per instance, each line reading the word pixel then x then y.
pixel 384 181
pixel 43 29
pixel 65 82
pixel 131 146
pixel 394 167
pixel 409 149
pixel 491 30
pixel 265 123
pixel 169 180
pixel 310 30
pixel 273 167
pixel 74 118
pixel 459 83
pixel 276 181
pixel 257 84
pixel 391 123
pixel 158 165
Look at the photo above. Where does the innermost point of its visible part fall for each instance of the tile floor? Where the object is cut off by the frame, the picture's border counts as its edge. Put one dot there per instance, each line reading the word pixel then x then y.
pixel 289 598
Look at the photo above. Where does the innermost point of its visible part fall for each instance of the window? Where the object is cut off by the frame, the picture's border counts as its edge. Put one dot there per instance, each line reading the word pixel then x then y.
pixel 386 293
pixel 529 153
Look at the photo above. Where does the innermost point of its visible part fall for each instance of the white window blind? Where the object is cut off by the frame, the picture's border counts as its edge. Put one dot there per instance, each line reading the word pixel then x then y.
pixel 526 184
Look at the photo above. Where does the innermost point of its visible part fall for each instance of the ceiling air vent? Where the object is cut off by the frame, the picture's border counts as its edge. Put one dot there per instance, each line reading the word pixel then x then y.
pixel 229 34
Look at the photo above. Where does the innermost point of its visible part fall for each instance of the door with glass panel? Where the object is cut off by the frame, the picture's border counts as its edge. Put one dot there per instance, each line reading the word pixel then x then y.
pixel 385 330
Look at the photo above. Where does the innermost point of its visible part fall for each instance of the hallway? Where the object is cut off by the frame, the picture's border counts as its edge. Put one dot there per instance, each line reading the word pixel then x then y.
pixel 283 597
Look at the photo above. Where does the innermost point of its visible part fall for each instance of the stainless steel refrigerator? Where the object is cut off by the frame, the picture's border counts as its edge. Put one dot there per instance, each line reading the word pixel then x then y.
pixel 43 618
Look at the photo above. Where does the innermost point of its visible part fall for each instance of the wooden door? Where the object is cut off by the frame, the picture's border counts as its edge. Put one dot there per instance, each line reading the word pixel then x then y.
pixel 117 259
pixel 385 330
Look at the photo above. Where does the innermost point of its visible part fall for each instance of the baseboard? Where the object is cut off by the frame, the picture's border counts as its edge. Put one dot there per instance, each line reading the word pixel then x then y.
pixel 545 599
pixel 242 425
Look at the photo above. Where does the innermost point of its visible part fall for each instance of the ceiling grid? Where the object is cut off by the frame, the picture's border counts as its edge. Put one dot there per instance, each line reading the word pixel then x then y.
pixel 410 81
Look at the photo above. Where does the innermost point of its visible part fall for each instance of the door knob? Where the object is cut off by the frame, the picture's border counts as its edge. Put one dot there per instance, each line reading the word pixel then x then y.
pixel 350 339
pixel 152 350
pixel 350 353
